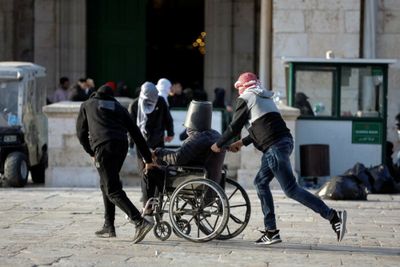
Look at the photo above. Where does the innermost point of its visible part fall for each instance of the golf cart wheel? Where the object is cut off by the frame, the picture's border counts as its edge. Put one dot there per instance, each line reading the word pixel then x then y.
pixel 16 169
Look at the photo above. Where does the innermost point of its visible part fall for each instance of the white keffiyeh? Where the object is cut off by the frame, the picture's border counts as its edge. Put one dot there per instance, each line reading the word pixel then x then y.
pixel 164 87
pixel 147 101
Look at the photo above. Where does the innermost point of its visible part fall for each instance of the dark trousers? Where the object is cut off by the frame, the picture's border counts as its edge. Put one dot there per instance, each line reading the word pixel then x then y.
pixel 152 181
pixel 109 159
pixel 275 162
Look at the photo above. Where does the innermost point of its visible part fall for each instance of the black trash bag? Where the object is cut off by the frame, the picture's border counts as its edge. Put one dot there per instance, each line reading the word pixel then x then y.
pixel 363 175
pixel 383 182
pixel 343 187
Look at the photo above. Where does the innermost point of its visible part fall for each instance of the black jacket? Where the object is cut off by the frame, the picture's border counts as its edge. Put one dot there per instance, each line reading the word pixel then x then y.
pixel 256 109
pixel 159 121
pixel 194 150
pixel 101 119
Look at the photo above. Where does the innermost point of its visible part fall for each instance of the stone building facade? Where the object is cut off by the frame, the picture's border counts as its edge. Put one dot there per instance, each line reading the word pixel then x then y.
pixel 53 33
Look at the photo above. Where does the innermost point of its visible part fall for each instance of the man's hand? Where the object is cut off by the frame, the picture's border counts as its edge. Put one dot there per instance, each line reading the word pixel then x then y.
pixel 235 147
pixel 153 155
pixel 149 166
pixel 168 138
pixel 215 148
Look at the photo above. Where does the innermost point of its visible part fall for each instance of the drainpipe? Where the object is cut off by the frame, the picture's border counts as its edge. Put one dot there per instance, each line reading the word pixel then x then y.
pixel 369 28
pixel 265 62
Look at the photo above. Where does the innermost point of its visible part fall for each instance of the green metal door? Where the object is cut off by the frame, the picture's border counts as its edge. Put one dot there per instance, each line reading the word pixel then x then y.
pixel 116 41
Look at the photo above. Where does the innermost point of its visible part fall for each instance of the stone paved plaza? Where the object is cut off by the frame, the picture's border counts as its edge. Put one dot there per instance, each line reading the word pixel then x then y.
pixel 55 227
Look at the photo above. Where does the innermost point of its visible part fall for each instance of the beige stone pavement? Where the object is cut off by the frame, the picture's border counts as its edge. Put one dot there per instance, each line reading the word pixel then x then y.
pixel 54 227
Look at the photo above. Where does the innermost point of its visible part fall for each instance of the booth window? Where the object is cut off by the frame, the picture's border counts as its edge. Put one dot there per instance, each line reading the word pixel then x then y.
pixel 361 92
pixel 314 92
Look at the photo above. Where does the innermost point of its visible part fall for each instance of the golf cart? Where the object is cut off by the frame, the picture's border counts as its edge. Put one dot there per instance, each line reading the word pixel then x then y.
pixel 23 126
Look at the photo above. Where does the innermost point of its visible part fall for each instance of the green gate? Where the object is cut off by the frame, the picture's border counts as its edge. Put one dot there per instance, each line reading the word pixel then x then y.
pixel 116 41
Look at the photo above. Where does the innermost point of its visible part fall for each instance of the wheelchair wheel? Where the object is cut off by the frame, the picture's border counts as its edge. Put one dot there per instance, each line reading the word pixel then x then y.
pixel 197 204
pixel 184 227
pixel 162 230
pixel 239 210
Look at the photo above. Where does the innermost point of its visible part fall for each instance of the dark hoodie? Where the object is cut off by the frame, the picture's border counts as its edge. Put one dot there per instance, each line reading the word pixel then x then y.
pixel 102 118
pixel 256 110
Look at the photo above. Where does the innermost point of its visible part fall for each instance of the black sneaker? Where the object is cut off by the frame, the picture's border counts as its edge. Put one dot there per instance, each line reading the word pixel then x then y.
pixel 106 231
pixel 338 223
pixel 142 228
pixel 269 238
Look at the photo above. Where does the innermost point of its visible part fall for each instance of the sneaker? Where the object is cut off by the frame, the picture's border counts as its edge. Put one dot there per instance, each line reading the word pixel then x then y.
pixel 269 238
pixel 106 231
pixel 338 223
pixel 142 228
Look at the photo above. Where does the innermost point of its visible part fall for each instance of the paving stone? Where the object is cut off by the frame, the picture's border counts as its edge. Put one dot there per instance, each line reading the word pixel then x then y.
pixel 55 227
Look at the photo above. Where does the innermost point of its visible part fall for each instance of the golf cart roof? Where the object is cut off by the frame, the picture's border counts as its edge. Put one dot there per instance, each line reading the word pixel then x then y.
pixel 14 70
pixel 339 60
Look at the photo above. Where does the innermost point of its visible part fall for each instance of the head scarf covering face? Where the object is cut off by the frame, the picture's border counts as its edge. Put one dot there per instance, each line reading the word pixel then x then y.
pixel 164 87
pixel 246 81
pixel 147 101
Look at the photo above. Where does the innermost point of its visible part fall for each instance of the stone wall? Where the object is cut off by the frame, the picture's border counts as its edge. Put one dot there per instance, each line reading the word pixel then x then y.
pixel 16 30
pixel 309 28
pixel 60 39
pixel 388 40
pixel 69 164
pixel 230 43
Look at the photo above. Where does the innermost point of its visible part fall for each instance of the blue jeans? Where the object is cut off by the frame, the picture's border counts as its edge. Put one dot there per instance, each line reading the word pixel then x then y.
pixel 275 163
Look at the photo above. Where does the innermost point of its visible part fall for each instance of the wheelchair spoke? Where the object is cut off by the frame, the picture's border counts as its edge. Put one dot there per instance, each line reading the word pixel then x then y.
pixel 227 228
pixel 234 192
pixel 237 206
pixel 216 221
pixel 236 219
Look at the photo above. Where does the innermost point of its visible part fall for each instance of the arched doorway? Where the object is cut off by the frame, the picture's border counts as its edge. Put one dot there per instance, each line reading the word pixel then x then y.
pixel 136 40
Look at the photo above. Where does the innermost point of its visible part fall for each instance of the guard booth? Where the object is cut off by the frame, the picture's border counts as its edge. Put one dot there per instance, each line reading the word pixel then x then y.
pixel 343 105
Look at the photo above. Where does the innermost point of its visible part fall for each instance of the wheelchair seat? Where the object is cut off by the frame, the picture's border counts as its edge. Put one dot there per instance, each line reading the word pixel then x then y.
pixel 212 170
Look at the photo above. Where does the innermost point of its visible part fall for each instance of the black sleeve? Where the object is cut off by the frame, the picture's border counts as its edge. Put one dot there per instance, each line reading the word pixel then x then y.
pixel 132 109
pixel 82 131
pixel 169 122
pixel 239 119
pixel 137 137
pixel 186 153
pixel 247 140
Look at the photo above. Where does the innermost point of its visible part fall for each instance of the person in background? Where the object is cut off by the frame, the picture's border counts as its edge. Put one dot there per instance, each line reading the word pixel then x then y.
pixel 301 102
pixel 219 102
pixel 81 91
pixel 61 94
pixel 268 132
pixel 91 86
pixel 122 89
pixel 152 116
pixel 176 97
pixel 102 126
pixel 164 88
pixel 198 93
pixel 188 93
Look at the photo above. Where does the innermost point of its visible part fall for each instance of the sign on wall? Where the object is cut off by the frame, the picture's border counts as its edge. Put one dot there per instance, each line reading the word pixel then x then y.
pixel 366 133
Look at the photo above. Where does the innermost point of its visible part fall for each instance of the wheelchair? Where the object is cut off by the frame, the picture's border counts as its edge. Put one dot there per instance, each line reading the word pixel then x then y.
pixel 202 203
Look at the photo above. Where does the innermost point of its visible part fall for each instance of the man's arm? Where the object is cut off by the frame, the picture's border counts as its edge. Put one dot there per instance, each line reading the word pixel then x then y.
pixel 185 154
pixel 169 122
pixel 240 118
pixel 82 131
